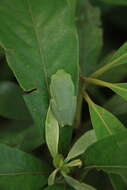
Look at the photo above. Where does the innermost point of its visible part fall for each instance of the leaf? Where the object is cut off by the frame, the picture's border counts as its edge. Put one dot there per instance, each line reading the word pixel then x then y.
pixel 1 51
pixel 20 170
pixel 116 105
pixel 58 187
pixel 52 176
pixel 19 134
pixel 120 89
pixel 63 99
pixel 118 59
pixel 65 138
pixel 76 184
pixel 35 37
pixel 104 122
pixel 82 144
pixel 117 182
pixel 112 153
pixel 90 36
pixel 12 104
pixel 52 133
pixel 115 2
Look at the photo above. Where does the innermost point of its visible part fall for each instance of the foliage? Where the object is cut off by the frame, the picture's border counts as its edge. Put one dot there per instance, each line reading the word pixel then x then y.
pixel 56 58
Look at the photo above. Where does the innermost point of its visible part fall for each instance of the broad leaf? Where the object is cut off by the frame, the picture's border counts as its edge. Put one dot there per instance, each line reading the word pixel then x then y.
pixel 82 144
pixel 89 26
pixel 108 154
pixel 19 134
pixel 104 122
pixel 117 182
pixel 120 89
pixel 12 104
pixel 35 37
pixel 63 99
pixel 19 170
pixel 52 133
pixel 117 105
pixel 76 184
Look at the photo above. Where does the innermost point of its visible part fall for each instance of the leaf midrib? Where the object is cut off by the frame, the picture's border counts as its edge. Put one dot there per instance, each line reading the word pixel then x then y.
pixel 23 173
pixel 43 58
pixel 101 118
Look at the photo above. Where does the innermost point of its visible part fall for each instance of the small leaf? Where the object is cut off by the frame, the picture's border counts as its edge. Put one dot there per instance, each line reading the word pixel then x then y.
pixel 120 89
pixel 74 163
pixel 63 99
pixel 108 154
pixel 76 184
pixel 52 133
pixel 52 176
pixel 82 144
pixel 104 122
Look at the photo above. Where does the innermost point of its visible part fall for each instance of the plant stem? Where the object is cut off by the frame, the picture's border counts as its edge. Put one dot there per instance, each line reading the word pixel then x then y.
pixel 87 98
pixel 97 82
pixel 79 106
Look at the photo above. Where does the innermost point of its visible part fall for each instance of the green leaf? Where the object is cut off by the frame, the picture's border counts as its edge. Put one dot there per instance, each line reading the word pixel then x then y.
pixel 104 122
pixel 115 2
pixel 1 51
pixel 65 138
pixel 120 89
pixel 19 134
pixel 82 144
pixel 63 99
pixel 58 187
pixel 52 176
pixel 12 104
pixel 20 170
pixel 116 105
pixel 35 37
pixel 90 36
pixel 52 133
pixel 76 184
pixel 117 182
pixel 108 154
pixel 118 59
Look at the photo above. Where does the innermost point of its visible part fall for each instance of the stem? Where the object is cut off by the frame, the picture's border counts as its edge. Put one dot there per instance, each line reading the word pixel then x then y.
pixel 87 98
pixel 79 106
pixel 97 82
